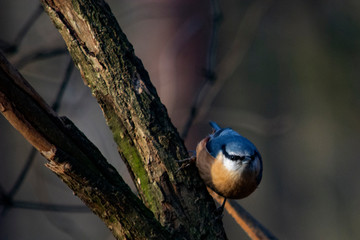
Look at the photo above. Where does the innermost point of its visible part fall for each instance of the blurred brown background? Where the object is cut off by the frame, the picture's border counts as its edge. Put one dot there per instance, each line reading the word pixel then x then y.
pixel 287 78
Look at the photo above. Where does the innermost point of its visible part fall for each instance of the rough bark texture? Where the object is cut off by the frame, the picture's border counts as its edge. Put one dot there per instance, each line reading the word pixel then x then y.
pixel 75 160
pixel 146 139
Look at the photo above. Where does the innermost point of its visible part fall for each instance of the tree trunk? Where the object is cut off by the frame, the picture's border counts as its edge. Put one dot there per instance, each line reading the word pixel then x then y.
pixel 147 141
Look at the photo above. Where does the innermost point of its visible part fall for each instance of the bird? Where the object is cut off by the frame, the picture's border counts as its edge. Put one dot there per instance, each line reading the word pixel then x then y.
pixel 228 163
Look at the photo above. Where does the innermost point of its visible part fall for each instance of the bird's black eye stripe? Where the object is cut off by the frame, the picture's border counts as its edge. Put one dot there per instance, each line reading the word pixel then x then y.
pixel 235 157
pixel 231 157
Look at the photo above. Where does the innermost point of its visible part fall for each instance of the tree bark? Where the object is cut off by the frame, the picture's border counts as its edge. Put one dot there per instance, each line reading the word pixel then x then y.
pixel 75 159
pixel 147 141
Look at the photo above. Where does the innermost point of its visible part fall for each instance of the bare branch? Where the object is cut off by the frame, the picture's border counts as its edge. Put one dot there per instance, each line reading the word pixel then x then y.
pixel 75 159
pixel 248 223
pixel 237 50
pixel 147 141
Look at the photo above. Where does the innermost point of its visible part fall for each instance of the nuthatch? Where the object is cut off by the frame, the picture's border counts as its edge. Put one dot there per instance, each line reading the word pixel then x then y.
pixel 228 163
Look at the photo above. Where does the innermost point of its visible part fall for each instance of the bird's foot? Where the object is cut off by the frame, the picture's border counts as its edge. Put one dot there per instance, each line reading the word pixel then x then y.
pixel 219 212
pixel 186 162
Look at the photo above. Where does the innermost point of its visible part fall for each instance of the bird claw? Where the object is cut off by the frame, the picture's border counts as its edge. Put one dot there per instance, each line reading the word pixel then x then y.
pixel 189 159
pixel 188 162
pixel 219 212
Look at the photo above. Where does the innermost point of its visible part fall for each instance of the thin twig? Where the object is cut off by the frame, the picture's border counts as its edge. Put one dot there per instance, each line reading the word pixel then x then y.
pixel 253 228
pixel 233 59
pixel 39 55
pixel 237 51
pixel 29 23
pixel 69 70
pixel 209 72
pixel 50 207
pixel 23 173
pixel 14 46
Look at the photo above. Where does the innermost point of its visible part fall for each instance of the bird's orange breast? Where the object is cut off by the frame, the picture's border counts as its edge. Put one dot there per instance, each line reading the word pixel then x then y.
pixel 229 184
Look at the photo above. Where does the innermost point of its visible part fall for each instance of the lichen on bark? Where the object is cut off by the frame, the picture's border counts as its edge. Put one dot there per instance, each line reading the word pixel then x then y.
pixel 147 141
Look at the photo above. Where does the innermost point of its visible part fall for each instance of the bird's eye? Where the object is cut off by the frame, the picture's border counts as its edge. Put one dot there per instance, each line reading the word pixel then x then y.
pixel 252 157
pixel 231 157
pixel 235 157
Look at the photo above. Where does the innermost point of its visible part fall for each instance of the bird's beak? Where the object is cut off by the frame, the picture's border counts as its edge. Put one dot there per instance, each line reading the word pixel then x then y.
pixel 247 160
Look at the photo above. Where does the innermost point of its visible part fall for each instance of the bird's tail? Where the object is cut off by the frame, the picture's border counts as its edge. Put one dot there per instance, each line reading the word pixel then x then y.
pixel 214 126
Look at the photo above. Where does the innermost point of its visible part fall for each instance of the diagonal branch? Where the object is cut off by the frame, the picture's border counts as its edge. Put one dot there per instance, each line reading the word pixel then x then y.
pixel 75 159
pixel 253 228
pixel 147 141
